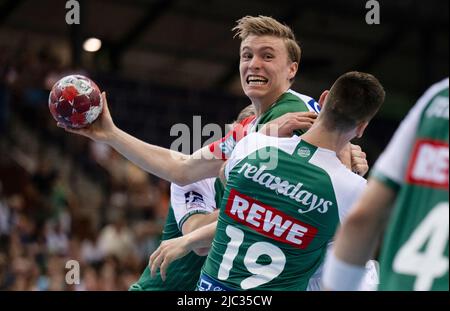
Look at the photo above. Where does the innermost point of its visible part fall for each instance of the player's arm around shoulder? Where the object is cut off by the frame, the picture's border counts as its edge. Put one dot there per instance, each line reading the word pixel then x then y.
pixel 288 123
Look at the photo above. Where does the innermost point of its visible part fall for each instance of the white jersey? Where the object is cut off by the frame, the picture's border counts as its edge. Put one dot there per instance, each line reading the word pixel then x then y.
pixel 195 198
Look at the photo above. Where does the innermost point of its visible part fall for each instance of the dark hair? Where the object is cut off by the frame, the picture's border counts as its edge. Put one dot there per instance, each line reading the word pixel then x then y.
pixel 355 97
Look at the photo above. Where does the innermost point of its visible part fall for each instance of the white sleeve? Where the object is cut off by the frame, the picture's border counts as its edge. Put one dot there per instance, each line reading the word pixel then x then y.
pixel 369 282
pixel 392 163
pixel 195 198
pixel 360 184
pixel 254 142
pixel 238 153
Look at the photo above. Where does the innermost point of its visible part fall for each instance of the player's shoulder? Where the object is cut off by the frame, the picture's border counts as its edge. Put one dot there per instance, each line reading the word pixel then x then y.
pixel 204 184
pixel 310 103
pixel 265 140
pixel 256 141
pixel 247 120
pixel 434 90
pixel 439 86
pixel 253 140
pixel 329 162
pixel 290 101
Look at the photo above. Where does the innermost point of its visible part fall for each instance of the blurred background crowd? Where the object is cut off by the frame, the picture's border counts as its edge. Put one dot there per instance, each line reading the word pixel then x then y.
pixel 65 197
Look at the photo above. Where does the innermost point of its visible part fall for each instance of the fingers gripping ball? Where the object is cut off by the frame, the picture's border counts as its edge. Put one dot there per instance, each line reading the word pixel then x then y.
pixel 75 101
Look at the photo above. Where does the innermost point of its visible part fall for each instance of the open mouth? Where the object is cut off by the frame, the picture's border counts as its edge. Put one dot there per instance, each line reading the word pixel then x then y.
pixel 256 80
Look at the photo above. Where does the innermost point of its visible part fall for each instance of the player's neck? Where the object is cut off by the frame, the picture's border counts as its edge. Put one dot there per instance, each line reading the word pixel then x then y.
pixel 262 104
pixel 320 136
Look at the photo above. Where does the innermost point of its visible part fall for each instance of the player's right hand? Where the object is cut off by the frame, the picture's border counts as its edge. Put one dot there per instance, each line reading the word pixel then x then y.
pixel 167 252
pixel 101 130
pixel 285 125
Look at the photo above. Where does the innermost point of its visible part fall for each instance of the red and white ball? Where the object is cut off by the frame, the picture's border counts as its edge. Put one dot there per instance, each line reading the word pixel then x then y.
pixel 75 101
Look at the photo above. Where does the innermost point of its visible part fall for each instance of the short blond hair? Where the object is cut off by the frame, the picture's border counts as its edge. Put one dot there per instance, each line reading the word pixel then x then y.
pixel 268 26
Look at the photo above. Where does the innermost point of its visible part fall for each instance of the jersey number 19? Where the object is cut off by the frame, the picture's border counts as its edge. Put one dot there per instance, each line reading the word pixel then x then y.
pixel 261 273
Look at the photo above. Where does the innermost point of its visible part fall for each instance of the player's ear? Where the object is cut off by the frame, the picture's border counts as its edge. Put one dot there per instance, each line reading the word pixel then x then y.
pixel 292 70
pixel 323 97
pixel 222 176
pixel 360 129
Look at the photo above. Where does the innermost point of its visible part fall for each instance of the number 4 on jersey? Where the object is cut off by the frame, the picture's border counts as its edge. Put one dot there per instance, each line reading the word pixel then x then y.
pixel 429 264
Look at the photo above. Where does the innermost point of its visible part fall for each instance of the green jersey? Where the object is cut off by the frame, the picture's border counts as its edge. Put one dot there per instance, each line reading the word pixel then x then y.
pixel 289 101
pixel 202 197
pixel 415 248
pixel 279 213
pixel 182 272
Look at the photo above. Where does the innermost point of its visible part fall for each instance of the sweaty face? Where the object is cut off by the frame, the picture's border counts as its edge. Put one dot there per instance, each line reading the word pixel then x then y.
pixel 265 68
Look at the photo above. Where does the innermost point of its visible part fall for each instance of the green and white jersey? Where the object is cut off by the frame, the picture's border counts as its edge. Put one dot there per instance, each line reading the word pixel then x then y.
pixel 290 101
pixel 283 201
pixel 415 249
pixel 201 197
pixel 195 198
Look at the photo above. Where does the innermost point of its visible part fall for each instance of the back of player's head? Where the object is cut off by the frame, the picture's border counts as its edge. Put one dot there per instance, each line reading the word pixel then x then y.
pixel 354 98
pixel 268 26
pixel 245 113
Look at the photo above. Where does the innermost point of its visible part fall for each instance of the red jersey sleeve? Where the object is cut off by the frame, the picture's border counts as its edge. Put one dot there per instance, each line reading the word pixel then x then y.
pixel 223 147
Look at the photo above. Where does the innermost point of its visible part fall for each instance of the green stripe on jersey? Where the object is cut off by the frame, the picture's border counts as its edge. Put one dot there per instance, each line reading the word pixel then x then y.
pixel 385 180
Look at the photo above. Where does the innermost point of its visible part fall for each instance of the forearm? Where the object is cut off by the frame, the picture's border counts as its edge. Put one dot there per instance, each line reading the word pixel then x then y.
pixel 164 163
pixel 167 164
pixel 202 237
pixel 197 221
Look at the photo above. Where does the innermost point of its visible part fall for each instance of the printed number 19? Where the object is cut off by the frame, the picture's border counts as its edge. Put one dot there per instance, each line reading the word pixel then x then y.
pixel 261 273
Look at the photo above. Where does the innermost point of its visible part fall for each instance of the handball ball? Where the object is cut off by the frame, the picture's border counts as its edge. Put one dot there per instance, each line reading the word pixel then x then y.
pixel 75 101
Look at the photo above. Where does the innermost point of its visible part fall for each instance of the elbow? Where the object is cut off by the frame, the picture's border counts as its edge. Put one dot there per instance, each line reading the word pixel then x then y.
pixel 203 251
pixel 181 176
